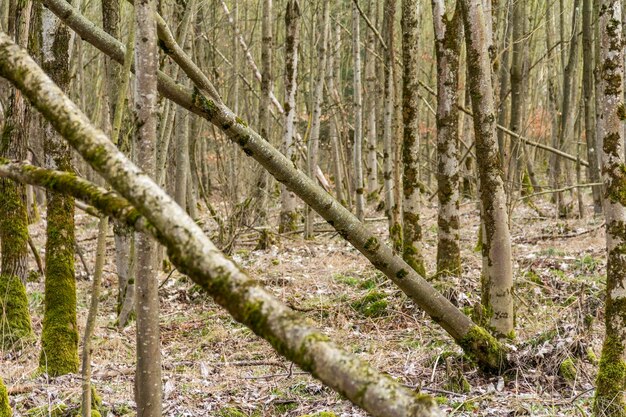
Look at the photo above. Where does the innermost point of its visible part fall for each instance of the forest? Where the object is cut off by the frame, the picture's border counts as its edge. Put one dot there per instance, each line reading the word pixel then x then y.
pixel 246 208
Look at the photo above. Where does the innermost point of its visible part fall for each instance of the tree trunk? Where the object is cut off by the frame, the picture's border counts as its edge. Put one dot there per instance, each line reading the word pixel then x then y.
pixel 448 37
pixel 389 10
pixel 59 336
pixel 313 146
pixel 14 317
pixel 610 399
pixel 358 115
pixel 371 95
pixel 148 391
pixel 5 407
pixel 289 213
pixel 497 274
pixel 588 103
pixel 412 229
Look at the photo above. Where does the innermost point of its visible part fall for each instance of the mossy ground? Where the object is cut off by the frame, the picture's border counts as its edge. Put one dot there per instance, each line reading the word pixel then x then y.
pixel 214 363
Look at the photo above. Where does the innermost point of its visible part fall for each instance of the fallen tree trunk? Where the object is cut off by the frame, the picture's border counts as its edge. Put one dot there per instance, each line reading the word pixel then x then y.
pixel 476 341
pixel 191 251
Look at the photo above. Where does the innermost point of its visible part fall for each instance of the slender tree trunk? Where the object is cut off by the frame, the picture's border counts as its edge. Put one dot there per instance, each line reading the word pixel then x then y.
pixel 14 315
pixel 448 37
pixel 497 274
pixel 59 337
pixel 567 120
pixel 263 179
pixel 588 104
pixel 502 105
pixel 358 115
pixel 610 399
pixel 389 10
pixel 412 229
pixel 335 127
pixel 313 148
pixel 371 95
pixel 148 391
pixel 289 214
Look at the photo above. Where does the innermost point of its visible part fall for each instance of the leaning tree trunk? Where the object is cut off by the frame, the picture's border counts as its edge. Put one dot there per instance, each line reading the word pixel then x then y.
pixel 497 274
pixel 448 36
pixel 358 115
pixel 289 213
pixel 194 254
pixel 610 399
pixel 588 104
pixel 203 100
pixel 148 372
pixel 59 336
pixel 14 315
pixel 412 230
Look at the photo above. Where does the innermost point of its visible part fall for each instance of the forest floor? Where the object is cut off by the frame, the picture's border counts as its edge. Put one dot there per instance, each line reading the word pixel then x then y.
pixel 214 366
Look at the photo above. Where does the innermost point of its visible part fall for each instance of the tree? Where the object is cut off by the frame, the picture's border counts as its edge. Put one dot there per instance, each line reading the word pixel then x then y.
pixel 289 215
pixel 448 37
pixel 358 115
pixel 5 408
pixel 497 273
pixel 15 318
pixel 148 391
pixel 610 399
pixel 59 335
pixel 412 229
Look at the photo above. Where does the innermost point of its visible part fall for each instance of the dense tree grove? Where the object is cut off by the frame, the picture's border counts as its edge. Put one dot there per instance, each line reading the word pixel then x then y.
pixel 467 158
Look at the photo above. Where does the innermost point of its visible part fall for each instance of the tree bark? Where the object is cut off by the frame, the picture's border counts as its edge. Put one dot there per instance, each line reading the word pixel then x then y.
pixel 497 274
pixel 14 317
pixel 148 384
pixel 358 114
pixel 589 108
pixel 389 10
pixel 59 336
pixel 610 399
pixel 318 96
pixel 289 214
pixel 448 37
pixel 412 229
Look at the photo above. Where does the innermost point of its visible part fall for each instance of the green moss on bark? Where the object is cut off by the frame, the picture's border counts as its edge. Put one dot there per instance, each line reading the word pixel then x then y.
pixel 485 349
pixel 15 325
pixel 59 337
pixel 5 408
pixel 611 379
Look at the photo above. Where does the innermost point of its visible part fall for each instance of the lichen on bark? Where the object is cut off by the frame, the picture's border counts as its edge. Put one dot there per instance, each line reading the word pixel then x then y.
pixel 5 408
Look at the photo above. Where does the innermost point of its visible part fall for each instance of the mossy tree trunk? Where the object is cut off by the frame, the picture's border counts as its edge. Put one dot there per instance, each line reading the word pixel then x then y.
pixel 59 338
pixel 475 341
pixel 289 214
pixel 448 31
pixel 194 254
pixel 148 384
pixel 412 229
pixel 5 407
pixel 497 273
pixel 610 399
pixel 14 317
